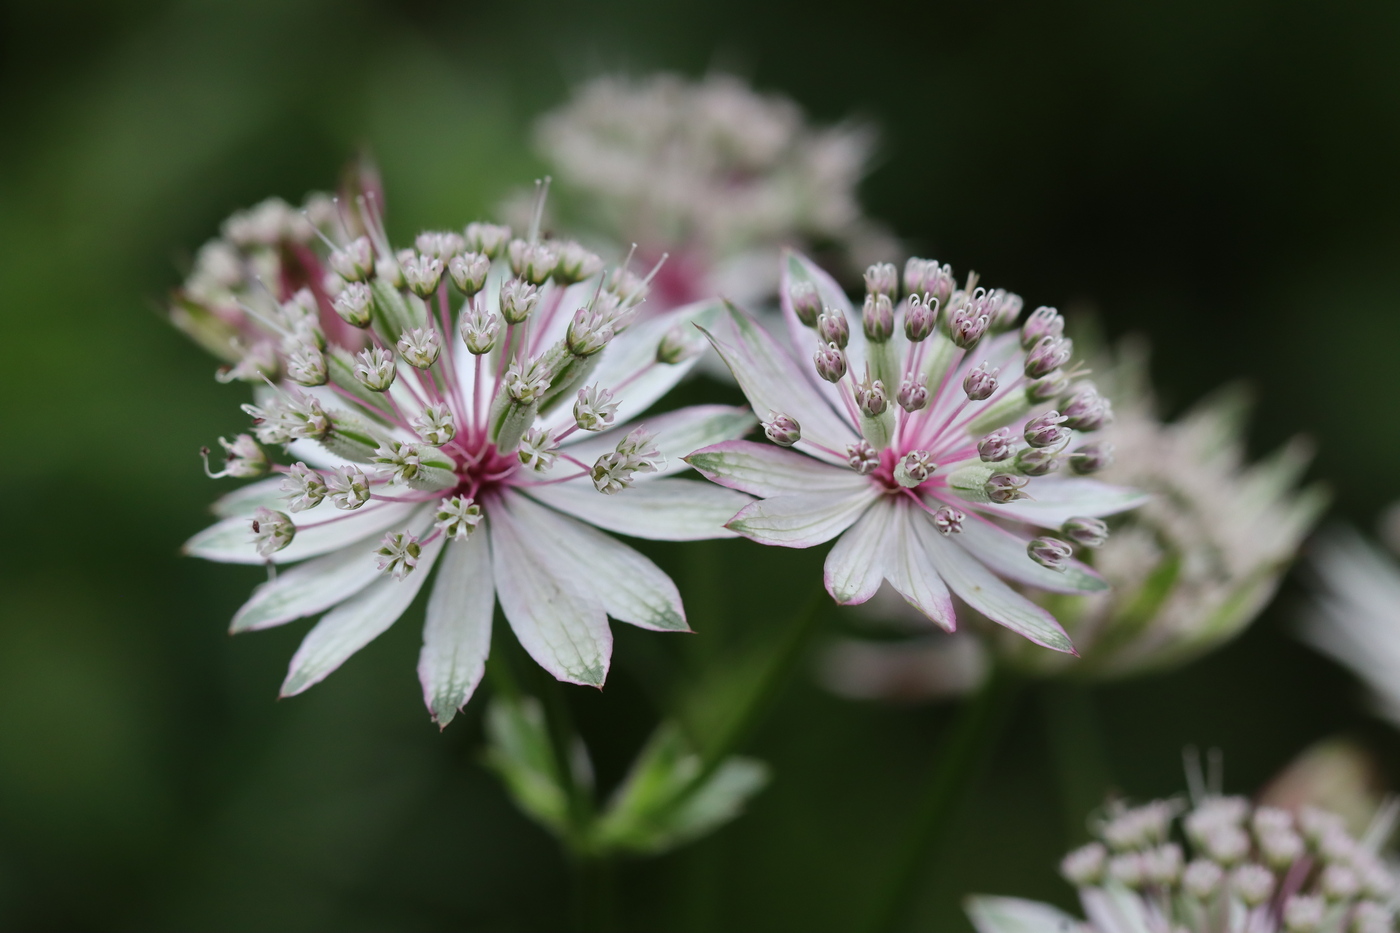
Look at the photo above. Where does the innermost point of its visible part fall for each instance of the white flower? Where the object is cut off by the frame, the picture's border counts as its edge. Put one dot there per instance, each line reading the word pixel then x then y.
pixel 482 474
pixel 1140 883
pixel 851 473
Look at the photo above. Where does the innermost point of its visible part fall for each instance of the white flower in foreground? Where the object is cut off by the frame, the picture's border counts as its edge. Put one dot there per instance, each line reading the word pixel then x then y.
pixel 711 172
pixel 1356 618
pixel 935 441
pixel 1226 866
pixel 1187 572
pixel 482 453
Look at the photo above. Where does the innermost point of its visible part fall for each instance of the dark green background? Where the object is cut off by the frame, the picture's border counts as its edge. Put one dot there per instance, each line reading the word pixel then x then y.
pixel 1218 175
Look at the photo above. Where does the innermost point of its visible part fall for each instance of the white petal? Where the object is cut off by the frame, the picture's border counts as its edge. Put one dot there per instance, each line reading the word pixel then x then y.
pixel 307 589
pixel 1116 909
pixel 457 633
pixel 631 588
pixel 265 493
pixel 803 519
pixel 1005 553
pixel 1014 915
pixel 628 367
pixel 355 623
pixel 327 529
pixel 1055 500
pixel 772 381
pixel 562 625
pixel 855 567
pixel 911 573
pixel 667 509
pixel 765 470
pixel 678 433
pixel 979 588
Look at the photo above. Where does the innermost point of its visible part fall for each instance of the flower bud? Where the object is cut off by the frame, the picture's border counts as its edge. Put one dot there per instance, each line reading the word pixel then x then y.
pixel 399 462
pixel 1162 866
pixel 422 274
pixel 832 327
pixel 1035 461
pixel 997 446
pixel 782 429
pixel 913 392
pixel 349 487
pixel 272 531
pixel 435 425
pixel 355 304
pixel 870 396
pixel 589 332
pixel 920 318
pixel 806 302
pixel 420 347
pixel 1004 309
pixel 678 345
pixel 304 487
pixel 575 263
pixel 1045 430
pixel 966 327
pixel 831 362
pixel 457 517
pixel 479 329
pixel 877 317
pixel 1002 488
pixel 635 453
pixel 595 409
pixel 306 366
pixel 518 299
pixel 1084 867
pixel 1253 883
pixel 442 245
pixel 533 262
pixel 1043 322
pixel 374 368
pixel 882 279
pixel 1090 532
pixel 525 383
pixel 1047 386
pixel 1091 458
pixel 398 553
pixel 926 276
pixel 243 459
pixel 353 262
pixel 469 272
pixel 1338 882
pixel 1086 409
pixel 1201 878
pixel 981 383
pixel 537 450
pixel 487 239
pixel 1049 354
pixel 1050 553
pixel 948 520
pixel 913 468
pixel 1304 914
pixel 627 286
pixel 862 457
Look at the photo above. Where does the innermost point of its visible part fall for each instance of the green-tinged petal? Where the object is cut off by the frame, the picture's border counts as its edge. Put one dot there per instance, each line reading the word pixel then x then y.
pixel 667 509
pixel 1055 500
pixel 457 633
pixel 1014 915
pixel 803 519
pixel 231 540
pixel 1005 553
pixel 765 470
pixel 910 570
pixel 855 566
pixel 307 589
pixel 678 433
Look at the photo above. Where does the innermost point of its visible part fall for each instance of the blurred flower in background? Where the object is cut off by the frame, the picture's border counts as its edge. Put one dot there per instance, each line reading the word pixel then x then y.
pixel 712 173
pixel 1187 571
pixel 925 408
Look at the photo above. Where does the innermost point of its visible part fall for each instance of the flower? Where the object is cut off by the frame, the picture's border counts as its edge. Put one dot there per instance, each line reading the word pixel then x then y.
pixel 905 487
pixel 1187 572
pixel 1356 613
pixel 711 172
pixel 1222 866
pixel 469 456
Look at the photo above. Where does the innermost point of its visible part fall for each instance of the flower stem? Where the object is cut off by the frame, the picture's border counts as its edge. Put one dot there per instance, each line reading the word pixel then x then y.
pixel 961 757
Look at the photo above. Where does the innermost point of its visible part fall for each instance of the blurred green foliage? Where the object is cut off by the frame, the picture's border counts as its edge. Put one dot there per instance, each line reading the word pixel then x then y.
pixel 1217 175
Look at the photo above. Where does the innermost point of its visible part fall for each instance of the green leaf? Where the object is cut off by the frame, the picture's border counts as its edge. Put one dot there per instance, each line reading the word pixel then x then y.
pixel 519 750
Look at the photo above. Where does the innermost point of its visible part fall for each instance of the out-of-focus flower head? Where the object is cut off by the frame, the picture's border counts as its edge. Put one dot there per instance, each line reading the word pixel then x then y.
pixel 1188 571
pixel 712 172
pixel 927 434
pixel 467 406
pixel 1215 865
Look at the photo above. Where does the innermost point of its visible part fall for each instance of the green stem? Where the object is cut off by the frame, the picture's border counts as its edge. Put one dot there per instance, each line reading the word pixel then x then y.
pixel 961 757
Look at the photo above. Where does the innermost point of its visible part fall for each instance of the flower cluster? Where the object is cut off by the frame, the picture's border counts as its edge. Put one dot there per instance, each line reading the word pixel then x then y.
pixel 944 445
pixel 467 404
pixel 711 172
pixel 1232 868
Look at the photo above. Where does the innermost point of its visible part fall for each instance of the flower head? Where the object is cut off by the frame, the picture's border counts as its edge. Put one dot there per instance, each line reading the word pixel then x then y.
pixel 1222 864
pixel 478 448
pixel 914 493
